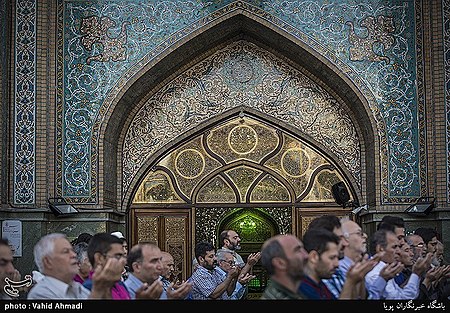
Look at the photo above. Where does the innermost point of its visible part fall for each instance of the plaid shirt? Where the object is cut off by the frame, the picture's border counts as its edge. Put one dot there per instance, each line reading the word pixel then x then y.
pixel 205 282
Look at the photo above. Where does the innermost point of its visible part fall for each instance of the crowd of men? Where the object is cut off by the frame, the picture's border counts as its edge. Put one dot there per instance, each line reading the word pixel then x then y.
pixel 333 260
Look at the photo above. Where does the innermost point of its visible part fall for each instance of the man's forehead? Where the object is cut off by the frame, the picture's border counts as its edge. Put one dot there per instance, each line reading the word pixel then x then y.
pixel 5 251
pixel 391 237
pixel 62 243
pixel 416 239
pixel 150 249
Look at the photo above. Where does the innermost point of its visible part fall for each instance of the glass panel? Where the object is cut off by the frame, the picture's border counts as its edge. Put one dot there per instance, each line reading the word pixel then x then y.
pixel 243 138
pixel 246 142
pixel 252 227
pixel 269 189
pixel 187 164
pixel 156 188
pixel 216 191
pixel 243 177
pixel 321 190
pixel 296 162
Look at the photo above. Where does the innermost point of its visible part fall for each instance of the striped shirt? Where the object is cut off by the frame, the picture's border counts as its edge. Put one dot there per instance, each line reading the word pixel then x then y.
pixel 335 283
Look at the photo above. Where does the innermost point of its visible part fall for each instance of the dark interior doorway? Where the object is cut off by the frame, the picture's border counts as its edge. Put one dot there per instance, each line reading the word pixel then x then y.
pixel 254 226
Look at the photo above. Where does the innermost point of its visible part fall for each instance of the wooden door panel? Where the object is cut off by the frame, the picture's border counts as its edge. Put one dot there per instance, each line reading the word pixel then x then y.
pixel 305 216
pixel 170 230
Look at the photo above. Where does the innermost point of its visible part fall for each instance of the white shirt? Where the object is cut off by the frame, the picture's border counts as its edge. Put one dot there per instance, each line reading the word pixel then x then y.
pixel 51 288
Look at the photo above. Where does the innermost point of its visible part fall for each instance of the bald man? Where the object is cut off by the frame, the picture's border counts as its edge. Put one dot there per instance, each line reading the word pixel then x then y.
pixel 284 257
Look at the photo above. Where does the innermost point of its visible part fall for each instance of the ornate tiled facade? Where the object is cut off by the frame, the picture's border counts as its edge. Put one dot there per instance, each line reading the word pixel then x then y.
pixel 104 47
pixel 97 94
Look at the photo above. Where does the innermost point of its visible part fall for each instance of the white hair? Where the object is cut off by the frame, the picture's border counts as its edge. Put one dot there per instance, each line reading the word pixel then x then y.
pixel 44 247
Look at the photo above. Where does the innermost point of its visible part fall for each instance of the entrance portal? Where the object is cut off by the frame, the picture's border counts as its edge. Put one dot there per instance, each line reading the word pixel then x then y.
pixel 243 173
pixel 254 226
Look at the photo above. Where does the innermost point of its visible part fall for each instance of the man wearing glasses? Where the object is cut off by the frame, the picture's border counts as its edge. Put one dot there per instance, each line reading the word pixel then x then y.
pixel 429 236
pixel 417 245
pixel 226 263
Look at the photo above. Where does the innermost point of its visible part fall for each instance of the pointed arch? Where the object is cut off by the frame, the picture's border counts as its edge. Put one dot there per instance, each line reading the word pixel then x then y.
pixel 268 162
pixel 237 24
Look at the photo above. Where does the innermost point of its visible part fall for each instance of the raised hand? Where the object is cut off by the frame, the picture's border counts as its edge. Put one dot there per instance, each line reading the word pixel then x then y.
pixel 253 258
pixel 179 291
pixel 104 278
pixel 358 270
pixel 422 264
pixel 391 270
pixel 244 279
pixel 153 291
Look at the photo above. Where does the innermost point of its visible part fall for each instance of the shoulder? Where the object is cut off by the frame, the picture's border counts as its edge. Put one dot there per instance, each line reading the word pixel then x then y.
pixel 87 283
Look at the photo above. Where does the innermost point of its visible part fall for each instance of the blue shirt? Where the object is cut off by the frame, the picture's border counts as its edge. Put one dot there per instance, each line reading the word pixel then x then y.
pixel 238 291
pixel 205 282
pixel 335 283
pixel 133 283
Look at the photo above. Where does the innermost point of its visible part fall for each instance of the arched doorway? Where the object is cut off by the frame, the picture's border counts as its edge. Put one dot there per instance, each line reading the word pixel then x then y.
pixel 244 172
pixel 254 226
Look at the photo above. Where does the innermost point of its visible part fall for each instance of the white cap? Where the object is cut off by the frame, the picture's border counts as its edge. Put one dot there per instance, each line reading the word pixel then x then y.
pixel 118 234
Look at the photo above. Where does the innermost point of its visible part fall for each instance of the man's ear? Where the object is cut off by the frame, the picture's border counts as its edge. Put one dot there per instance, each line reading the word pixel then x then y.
pixel 379 248
pixel 136 266
pixel 98 258
pixel 313 256
pixel 278 262
pixel 47 261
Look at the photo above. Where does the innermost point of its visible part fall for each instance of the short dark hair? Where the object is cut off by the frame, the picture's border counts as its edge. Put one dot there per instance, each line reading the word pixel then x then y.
pixel 386 226
pixel 318 238
pixel 397 221
pixel 223 235
pixel 202 247
pixel 379 238
pixel 81 250
pixel 426 233
pixel 135 254
pixel 329 222
pixel 271 249
pixel 83 237
pixel 101 242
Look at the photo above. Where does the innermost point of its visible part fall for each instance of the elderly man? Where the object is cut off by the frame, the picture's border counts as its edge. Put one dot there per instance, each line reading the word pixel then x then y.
pixel 226 263
pixel 57 261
